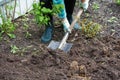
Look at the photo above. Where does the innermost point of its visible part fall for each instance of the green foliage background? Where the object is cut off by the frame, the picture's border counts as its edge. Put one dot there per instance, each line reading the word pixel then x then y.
pixel 42 13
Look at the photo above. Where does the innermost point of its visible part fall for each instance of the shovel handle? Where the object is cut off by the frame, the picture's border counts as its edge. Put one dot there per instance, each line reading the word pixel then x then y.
pixel 71 27
pixel 63 42
pixel 76 19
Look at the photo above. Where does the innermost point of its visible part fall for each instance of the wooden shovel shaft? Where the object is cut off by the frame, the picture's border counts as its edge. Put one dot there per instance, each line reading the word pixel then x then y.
pixel 71 27
pixel 63 40
pixel 76 19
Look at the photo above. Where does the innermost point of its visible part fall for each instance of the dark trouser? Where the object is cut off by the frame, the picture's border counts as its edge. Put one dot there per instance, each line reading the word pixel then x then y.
pixel 69 5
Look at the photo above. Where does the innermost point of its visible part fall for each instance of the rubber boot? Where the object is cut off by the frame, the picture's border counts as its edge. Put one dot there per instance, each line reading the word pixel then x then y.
pixel 48 33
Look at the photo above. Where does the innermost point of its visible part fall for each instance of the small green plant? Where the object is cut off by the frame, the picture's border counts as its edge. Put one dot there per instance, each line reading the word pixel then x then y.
pixel 26 26
pixel 113 19
pixel 118 2
pixel 42 13
pixel 7 26
pixel 95 6
pixel 14 49
pixel 90 29
pixel 19 50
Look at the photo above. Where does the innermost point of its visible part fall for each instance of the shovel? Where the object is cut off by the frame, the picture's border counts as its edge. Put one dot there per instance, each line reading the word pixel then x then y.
pixel 63 45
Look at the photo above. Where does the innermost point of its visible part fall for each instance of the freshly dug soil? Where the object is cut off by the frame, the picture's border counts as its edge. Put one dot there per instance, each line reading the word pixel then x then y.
pixel 95 58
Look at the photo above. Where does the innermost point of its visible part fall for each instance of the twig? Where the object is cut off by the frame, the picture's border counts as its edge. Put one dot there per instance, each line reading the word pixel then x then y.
pixel 14 10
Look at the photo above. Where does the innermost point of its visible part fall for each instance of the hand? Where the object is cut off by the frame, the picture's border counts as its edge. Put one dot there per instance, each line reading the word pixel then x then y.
pixel 84 4
pixel 66 25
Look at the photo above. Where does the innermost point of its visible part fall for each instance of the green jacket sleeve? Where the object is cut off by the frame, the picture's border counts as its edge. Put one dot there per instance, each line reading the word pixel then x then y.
pixel 62 13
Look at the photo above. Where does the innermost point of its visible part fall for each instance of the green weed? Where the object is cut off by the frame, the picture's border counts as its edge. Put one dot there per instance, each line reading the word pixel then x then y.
pixel 95 6
pixel 7 27
pixel 26 26
pixel 90 29
pixel 14 49
pixel 19 50
pixel 113 19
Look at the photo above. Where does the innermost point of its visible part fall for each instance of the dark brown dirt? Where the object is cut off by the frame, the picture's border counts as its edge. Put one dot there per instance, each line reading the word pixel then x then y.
pixel 97 58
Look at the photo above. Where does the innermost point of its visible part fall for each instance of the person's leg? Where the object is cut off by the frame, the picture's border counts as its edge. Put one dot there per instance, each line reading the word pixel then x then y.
pixel 69 5
pixel 47 35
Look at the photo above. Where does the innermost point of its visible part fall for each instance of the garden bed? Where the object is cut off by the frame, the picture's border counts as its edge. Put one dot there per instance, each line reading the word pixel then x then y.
pixel 95 58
